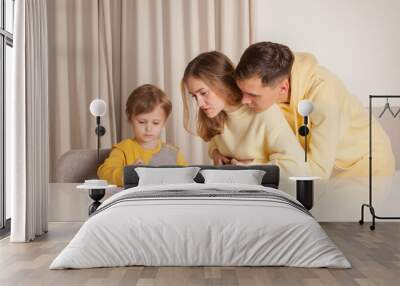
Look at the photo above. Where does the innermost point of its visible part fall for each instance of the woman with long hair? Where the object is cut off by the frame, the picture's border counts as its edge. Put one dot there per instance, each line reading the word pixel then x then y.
pixel 236 135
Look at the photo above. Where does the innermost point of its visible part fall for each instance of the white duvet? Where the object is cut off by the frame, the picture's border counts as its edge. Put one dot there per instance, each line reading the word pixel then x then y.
pixel 181 231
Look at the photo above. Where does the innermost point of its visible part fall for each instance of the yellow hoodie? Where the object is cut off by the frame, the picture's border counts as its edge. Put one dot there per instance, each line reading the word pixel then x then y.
pixel 129 151
pixel 339 128
pixel 263 137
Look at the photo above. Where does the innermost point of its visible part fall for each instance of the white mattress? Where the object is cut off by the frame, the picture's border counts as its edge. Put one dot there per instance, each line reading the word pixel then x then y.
pixel 183 231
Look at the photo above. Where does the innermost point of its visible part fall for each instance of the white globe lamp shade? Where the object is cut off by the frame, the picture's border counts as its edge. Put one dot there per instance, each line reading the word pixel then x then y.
pixel 305 107
pixel 98 107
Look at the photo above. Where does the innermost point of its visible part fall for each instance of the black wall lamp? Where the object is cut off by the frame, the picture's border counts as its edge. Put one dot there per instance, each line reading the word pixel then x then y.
pixel 98 109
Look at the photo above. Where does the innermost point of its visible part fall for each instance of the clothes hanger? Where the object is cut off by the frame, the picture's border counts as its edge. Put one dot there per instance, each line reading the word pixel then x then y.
pixel 397 113
pixel 387 107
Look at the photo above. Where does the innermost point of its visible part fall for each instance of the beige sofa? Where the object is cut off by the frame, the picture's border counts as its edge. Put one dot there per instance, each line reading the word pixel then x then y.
pixel 75 166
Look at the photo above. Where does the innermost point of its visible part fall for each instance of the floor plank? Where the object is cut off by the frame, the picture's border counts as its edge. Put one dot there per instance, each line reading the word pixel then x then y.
pixel 375 257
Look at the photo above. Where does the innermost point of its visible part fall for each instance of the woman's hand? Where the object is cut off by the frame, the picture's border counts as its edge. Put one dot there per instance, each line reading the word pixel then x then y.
pixel 241 162
pixel 220 159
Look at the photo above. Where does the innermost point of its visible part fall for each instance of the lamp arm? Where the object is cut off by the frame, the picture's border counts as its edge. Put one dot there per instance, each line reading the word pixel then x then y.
pixel 98 138
pixel 100 131
pixel 305 147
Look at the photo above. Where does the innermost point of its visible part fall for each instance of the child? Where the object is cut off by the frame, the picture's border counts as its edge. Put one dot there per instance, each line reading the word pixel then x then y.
pixel 147 110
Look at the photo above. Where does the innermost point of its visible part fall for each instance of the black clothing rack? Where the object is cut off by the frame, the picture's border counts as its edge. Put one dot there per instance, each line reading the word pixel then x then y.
pixel 369 205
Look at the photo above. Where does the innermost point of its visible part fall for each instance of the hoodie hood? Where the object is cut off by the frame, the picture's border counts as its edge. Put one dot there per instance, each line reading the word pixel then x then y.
pixel 302 76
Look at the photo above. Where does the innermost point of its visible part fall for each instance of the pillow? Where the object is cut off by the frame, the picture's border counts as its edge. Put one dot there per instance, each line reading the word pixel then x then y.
pixel 162 176
pixel 270 179
pixel 249 177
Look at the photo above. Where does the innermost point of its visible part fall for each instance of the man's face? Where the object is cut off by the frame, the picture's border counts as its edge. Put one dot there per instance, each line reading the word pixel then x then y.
pixel 260 97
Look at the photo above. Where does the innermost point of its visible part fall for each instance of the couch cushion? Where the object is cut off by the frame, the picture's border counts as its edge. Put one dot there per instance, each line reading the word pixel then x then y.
pixel 76 166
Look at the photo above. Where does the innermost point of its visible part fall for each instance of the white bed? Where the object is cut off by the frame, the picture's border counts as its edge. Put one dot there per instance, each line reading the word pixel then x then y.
pixel 224 225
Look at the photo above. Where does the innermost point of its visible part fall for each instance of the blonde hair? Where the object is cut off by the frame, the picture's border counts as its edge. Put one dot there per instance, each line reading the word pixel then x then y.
pixel 145 98
pixel 217 71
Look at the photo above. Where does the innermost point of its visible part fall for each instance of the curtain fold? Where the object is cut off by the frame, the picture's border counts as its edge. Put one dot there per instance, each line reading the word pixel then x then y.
pixel 29 156
pixel 74 72
pixel 125 44
pixel 110 63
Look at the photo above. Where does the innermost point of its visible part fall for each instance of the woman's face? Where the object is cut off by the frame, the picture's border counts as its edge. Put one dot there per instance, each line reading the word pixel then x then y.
pixel 206 98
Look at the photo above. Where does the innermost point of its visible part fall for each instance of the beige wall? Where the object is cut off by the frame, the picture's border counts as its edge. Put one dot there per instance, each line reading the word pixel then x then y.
pixel 359 40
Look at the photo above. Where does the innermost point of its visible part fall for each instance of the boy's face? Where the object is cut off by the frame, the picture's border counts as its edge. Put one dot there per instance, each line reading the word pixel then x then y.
pixel 260 97
pixel 147 127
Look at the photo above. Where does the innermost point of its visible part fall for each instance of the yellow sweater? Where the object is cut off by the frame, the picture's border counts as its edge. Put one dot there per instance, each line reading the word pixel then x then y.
pixel 128 151
pixel 263 137
pixel 339 133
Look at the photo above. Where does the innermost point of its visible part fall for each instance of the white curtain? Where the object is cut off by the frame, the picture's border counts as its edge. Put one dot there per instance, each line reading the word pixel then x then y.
pixel 159 38
pixel 28 158
pixel 73 75
pixel 106 48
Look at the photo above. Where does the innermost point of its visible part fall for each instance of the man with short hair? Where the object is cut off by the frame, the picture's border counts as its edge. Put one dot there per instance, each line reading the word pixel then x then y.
pixel 269 73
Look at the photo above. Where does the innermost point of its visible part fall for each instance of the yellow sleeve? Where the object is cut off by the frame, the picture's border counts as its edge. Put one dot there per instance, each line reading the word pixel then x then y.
pixel 284 150
pixel 327 121
pixel 258 162
pixel 180 160
pixel 113 167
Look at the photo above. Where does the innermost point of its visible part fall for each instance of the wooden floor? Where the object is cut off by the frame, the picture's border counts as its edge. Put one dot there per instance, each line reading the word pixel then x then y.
pixel 375 257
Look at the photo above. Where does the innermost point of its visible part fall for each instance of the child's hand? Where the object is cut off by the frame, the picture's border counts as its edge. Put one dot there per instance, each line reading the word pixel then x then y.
pixel 220 159
pixel 139 162
pixel 241 162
